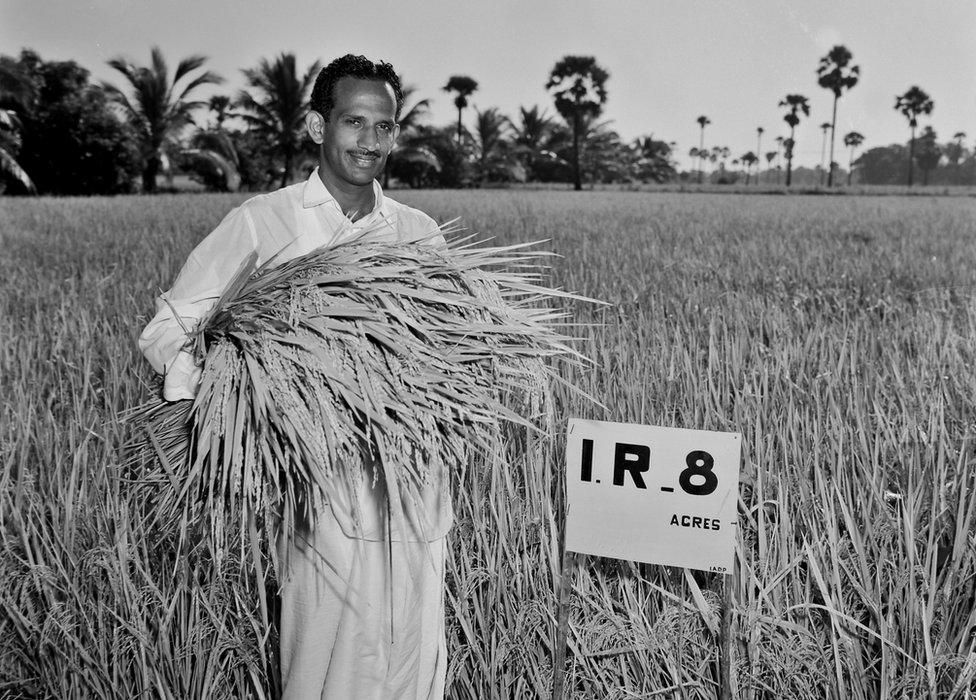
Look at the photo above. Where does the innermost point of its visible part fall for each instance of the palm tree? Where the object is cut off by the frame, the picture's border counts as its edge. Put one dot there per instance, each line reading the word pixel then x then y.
pixel 604 157
pixel 779 150
pixel 824 127
pixel 834 75
pixel 495 157
pixel 213 157
pixel 796 104
pixel 17 92
pixel 220 105
pixel 409 121
pixel 695 153
pixel 276 109
pixel 749 159
pixel 770 157
pixel 722 153
pixel 914 102
pixel 651 159
pixel 852 139
pixel 159 110
pixel 579 89
pixel 956 153
pixel 759 132
pixel 464 87
pixel 531 135
pixel 703 121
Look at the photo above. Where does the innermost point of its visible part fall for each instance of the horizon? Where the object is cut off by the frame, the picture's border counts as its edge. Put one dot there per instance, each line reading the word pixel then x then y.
pixel 697 59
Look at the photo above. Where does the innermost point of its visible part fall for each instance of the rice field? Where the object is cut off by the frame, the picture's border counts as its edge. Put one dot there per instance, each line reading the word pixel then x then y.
pixel 837 334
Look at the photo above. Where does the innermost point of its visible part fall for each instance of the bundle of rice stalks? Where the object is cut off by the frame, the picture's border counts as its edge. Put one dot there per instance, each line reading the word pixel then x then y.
pixel 362 361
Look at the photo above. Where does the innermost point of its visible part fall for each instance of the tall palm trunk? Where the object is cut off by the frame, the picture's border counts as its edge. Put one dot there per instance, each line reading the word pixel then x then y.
pixel 149 173
pixel 577 179
pixel 459 127
pixel 789 158
pixel 758 158
pixel 833 128
pixel 911 157
pixel 823 154
pixel 850 167
pixel 701 157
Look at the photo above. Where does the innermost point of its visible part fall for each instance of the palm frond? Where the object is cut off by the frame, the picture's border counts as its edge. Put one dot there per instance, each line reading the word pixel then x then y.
pixel 10 166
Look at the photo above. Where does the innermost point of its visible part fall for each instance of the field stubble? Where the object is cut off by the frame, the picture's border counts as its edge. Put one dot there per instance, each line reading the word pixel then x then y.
pixel 836 334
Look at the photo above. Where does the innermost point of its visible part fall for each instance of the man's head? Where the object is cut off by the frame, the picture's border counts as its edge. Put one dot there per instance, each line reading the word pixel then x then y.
pixel 349 66
pixel 354 110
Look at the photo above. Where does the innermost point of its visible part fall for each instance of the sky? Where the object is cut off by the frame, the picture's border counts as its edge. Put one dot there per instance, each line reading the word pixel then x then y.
pixel 669 62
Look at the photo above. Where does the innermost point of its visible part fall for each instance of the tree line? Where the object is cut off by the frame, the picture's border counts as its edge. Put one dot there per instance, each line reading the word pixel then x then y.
pixel 63 133
pixel 946 163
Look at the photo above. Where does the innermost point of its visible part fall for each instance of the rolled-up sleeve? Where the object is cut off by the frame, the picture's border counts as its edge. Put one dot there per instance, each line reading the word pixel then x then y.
pixel 207 272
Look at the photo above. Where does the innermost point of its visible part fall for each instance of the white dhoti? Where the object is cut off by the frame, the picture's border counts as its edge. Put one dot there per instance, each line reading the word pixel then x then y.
pixel 363 618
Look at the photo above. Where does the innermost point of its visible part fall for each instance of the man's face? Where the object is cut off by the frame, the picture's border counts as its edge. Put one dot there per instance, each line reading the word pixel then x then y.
pixel 359 133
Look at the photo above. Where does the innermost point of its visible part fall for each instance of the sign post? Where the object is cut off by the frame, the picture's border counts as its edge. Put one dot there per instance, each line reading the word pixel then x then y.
pixel 649 494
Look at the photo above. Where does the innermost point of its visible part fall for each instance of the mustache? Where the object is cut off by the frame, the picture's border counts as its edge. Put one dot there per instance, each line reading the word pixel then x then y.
pixel 366 153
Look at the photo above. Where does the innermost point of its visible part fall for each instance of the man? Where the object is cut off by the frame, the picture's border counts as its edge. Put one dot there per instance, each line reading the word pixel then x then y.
pixel 362 612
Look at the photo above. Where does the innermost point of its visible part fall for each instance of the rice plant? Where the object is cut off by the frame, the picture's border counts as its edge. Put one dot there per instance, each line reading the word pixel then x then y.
pixel 836 334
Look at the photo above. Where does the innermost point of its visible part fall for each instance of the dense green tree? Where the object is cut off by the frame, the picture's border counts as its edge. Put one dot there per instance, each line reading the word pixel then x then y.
pixel 795 104
pixel 853 140
pixel 463 87
pixel 578 86
pixel 882 165
pixel 159 110
pixel 72 141
pixel 928 153
pixel 955 151
pixel 913 103
pixel 835 73
pixel 703 121
pixel 274 105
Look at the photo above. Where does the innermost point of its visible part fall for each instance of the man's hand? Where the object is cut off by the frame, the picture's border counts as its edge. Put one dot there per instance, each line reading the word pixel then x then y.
pixel 182 378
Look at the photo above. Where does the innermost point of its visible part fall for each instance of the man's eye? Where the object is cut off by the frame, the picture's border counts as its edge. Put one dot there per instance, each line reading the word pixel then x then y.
pixel 353 122
pixel 385 127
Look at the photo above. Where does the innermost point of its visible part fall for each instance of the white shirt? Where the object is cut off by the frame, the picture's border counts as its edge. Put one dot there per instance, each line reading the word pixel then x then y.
pixel 289 222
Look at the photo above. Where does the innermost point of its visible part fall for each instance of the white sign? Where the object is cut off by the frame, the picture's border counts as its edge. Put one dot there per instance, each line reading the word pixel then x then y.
pixel 650 494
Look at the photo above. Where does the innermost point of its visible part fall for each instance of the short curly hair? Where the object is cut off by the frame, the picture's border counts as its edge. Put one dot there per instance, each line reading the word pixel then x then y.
pixel 323 92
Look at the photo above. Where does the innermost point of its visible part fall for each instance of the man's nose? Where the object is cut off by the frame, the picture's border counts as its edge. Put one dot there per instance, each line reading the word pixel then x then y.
pixel 369 140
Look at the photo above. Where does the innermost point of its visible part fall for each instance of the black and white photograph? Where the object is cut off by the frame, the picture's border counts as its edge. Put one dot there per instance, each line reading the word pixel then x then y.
pixel 425 350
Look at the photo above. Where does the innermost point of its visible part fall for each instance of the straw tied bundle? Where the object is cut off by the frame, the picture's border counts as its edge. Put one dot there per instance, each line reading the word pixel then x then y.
pixel 362 361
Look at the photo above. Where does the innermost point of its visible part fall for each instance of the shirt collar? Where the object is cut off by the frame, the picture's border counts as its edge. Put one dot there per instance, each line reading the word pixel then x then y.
pixel 316 193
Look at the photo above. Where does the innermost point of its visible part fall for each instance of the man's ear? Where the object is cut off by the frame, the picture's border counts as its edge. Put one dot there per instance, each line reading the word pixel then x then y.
pixel 315 125
pixel 396 133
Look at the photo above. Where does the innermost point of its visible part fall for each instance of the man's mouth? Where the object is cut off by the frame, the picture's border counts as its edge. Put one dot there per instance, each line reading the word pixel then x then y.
pixel 364 160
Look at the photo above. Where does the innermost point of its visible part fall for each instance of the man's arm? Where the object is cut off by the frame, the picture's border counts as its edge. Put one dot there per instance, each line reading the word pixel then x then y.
pixel 206 273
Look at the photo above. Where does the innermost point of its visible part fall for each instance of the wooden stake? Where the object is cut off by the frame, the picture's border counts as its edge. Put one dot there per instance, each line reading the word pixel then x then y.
pixel 562 631
pixel 725 641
